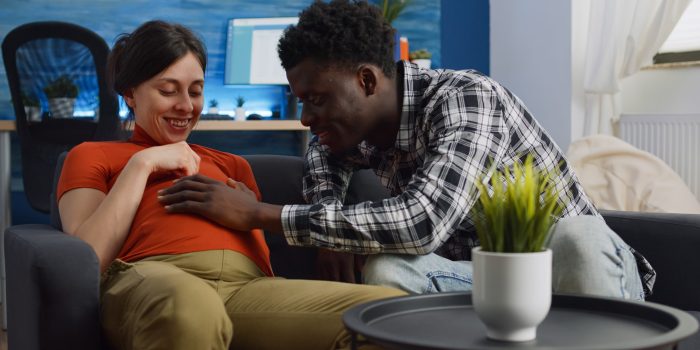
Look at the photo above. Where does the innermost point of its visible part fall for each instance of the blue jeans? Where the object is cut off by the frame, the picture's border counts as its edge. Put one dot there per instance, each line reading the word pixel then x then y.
pixel 588 258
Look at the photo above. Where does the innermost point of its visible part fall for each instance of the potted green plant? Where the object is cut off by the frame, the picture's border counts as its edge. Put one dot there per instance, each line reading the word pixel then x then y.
pixel 240 111
pixel 213 106
pixel 391 9
pixel 31 107
pixel 61 93
pixel 421 57
pixel 512 280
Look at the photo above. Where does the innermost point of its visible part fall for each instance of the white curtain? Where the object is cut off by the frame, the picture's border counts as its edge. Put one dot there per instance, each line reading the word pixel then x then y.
pixel 623 36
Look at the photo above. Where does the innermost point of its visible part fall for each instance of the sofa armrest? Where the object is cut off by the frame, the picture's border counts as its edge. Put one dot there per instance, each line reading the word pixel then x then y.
pixel 671 243
pixel 52 290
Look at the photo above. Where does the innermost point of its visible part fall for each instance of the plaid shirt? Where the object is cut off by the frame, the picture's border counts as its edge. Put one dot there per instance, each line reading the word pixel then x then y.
pixel 454 125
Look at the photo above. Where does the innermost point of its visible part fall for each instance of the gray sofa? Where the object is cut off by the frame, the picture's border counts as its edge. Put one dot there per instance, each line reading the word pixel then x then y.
pixel 53 282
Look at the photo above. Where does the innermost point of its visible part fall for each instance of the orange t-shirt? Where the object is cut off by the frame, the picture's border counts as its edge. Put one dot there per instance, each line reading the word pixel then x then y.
pixel 154 231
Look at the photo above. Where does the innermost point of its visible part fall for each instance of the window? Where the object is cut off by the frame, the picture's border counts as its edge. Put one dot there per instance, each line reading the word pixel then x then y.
pixel 683 45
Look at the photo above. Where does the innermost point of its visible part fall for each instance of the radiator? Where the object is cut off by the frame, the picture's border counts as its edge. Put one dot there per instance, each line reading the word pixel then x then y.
pixel 673 138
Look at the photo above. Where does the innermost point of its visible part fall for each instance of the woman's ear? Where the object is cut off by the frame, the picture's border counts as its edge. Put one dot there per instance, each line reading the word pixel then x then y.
pixel 129 98
pixel 368 78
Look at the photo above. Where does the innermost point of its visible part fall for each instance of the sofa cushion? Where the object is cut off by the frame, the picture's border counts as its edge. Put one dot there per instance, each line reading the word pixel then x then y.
pixel 279 180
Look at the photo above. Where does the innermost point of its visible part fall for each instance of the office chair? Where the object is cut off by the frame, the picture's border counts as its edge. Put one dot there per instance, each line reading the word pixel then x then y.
pixel 47 63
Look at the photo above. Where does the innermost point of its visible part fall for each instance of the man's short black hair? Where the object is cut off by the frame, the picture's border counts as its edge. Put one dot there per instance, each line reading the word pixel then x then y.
pixel 340 33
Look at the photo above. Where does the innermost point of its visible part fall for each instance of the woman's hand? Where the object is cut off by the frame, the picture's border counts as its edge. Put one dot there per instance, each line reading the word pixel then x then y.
pixel 177 157
pixel 232 205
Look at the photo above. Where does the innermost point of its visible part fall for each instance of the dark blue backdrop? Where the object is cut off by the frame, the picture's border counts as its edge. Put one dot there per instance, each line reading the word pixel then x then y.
pixel 455 31
pixel 465 34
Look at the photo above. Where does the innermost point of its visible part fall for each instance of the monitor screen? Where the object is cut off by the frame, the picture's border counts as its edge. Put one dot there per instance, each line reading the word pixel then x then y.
pixel 251 51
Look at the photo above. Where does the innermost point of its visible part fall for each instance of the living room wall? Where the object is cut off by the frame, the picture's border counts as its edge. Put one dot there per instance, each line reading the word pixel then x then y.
pixel 209 18
pixel 531 54
pixel 459 26
pixel 662 91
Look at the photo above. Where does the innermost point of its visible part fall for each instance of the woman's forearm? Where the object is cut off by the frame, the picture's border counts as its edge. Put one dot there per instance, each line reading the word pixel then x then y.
pixel 108 226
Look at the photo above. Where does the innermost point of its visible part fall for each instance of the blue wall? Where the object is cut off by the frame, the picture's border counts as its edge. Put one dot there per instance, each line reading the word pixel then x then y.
pixel 465 34
pixel 209 18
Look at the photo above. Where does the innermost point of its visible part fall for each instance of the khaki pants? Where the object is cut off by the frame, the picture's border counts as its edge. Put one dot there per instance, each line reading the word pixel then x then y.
pixel 220 298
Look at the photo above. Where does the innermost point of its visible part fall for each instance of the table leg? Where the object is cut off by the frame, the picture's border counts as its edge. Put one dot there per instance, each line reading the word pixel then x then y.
pixel 353 340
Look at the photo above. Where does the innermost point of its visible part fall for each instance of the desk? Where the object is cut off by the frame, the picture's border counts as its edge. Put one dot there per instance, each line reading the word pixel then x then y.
pixel 448 321
pixel 6 126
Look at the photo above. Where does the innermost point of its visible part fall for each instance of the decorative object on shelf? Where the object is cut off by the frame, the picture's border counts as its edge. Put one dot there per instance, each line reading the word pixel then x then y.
pixel 513 266
pixel 31 107
pixel 240 111
pixel 213 106
pixel 61 94
pixel 421 57
pixel 403 47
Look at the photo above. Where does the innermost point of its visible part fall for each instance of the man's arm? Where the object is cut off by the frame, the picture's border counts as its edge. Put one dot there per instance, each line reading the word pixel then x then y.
pixel 326 178
pixel 326 181
pixel 466 134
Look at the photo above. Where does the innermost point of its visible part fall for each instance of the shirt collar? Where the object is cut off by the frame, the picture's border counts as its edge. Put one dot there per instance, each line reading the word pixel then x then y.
pixel 141 137
pixel 410 75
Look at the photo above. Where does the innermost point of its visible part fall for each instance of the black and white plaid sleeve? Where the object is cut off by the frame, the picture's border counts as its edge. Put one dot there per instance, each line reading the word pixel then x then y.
pixel 325 178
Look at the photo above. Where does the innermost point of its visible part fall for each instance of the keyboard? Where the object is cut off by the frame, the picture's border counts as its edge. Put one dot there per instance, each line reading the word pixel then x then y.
pixel 215 117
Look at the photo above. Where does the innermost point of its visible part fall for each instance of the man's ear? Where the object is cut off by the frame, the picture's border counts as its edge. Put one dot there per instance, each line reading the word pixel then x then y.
pixel 368 79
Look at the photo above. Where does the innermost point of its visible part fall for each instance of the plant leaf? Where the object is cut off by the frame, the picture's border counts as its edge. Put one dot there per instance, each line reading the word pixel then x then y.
pixel 518 214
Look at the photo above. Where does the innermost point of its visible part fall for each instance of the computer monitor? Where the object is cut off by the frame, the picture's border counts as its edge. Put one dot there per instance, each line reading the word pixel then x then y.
pixel 251 51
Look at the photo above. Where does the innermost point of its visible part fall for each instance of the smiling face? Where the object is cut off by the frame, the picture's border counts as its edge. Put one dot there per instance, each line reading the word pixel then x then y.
pixel 168 105
pixel 336 105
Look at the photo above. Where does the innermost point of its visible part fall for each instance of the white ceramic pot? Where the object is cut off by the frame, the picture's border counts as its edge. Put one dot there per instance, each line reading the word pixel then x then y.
pixel 61 107
pixel 512 292
pixel 240 113
pixel 422 62
pixel 33 113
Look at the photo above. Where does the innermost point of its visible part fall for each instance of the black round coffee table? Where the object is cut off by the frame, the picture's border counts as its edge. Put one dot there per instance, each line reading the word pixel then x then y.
pixel 448 321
